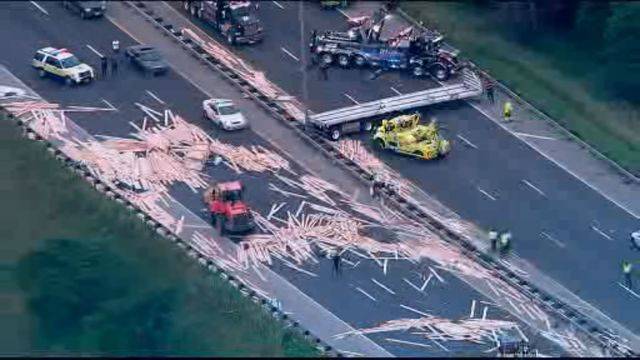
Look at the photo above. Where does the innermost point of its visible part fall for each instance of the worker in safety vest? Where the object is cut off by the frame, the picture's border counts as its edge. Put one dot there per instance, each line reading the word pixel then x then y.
pixel 626 270
pixel 508 109
pixel 505 242
pixel 493 237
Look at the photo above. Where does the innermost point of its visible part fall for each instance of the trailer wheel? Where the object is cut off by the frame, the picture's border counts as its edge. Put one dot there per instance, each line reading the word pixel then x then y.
pixel 359 60
pixel 326 58
pixel 185 5
pixel 439 71
pixel 418 71
pixel 193 10
pixel 366 126
pixel 335 133
pixel 343 60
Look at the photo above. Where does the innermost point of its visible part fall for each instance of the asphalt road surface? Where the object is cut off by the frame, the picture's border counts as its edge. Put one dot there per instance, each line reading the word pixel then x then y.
pixel 26 28
pixel 560 225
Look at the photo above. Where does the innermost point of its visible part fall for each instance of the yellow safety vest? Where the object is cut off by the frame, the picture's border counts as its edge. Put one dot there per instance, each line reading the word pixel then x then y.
pixel 507 108
pixel 626 268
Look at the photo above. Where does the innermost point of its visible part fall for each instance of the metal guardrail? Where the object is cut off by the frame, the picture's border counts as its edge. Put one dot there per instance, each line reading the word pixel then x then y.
pixel 469 87
pixel 512 94
pixel 405 205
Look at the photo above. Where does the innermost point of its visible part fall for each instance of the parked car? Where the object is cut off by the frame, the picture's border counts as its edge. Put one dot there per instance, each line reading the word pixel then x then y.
pixel 224 114
pixel 147 58
pixel 86 9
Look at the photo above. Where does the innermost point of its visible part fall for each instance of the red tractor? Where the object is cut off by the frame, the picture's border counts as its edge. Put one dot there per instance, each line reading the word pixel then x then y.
pixel 229 214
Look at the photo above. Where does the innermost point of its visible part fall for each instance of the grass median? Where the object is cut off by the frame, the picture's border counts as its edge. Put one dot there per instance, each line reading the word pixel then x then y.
pixel 80 275
pixel 556 77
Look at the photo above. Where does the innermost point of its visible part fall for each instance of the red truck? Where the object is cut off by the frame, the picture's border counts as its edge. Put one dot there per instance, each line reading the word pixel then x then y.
pixel 229 213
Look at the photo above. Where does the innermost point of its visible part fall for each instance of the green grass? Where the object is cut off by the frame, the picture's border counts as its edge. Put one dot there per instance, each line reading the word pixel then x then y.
pixel 552 78
pixel 112 287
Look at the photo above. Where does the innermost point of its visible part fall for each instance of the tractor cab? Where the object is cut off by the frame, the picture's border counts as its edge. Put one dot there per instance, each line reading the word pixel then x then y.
pixel 228 211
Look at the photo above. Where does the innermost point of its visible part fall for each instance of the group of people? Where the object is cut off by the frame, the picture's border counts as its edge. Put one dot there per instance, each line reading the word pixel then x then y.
pixel 105 61
pixel 500 241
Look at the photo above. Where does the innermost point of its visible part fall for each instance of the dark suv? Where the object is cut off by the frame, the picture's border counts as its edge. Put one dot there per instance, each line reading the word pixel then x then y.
pixel 86 9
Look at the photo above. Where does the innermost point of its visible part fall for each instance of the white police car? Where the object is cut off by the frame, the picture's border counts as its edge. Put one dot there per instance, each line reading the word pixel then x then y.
pixel 63 64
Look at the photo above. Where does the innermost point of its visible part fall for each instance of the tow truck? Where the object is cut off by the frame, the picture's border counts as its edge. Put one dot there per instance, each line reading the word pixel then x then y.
pixel 360 46
pixel 62 64
pixel 235 20
pixel 229 213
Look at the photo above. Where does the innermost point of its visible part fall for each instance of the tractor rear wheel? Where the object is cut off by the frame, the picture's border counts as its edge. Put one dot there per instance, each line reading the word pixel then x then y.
pixel 220 222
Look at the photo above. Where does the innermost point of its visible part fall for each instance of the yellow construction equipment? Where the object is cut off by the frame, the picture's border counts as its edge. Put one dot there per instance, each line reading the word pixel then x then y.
pixel 404 134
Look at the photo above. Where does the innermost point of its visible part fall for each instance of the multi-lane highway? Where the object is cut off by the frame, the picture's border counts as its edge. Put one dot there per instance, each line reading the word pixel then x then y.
pixel 28 28
pixel 560 225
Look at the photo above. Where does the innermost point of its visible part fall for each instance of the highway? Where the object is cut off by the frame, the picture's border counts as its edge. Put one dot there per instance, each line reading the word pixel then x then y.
pixel 27 28
pixel 560 225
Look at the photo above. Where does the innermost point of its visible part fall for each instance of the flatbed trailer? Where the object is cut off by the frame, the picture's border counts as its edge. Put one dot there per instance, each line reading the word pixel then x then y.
pixel 335 123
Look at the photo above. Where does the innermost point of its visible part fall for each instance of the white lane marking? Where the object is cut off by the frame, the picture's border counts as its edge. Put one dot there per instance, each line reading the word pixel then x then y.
pixel 95 51
pixel 534 188
pixel 601 233
pixel 43 10
pixel 366 294
pixel 486 194
pixel 109 104
pixel 382 286
pixel 534 136
pixel 407 342
pixel 351 98
pixel 155 97
pixel 554 240
pixel 278 4
pixel 395 90
pixel 290 54
pixel 630 291
pixel 414 310
pixel 561 166
pixel 466 141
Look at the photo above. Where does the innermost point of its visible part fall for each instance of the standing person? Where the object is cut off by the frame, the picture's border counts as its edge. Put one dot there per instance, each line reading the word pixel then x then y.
pixel 626 270
pixel 324 70
pixel 490 89
pixel 507 110
pixel 505 243
pixel 635 240
pixel 493 237
pixel 115 45
pixel 104 64
pixel 337 262
pixel 114 66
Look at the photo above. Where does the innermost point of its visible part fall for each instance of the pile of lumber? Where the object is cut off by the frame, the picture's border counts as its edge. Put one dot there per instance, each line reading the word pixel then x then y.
pixel 473 330
pixel 246 72
pixel 356 152
pixel 255 158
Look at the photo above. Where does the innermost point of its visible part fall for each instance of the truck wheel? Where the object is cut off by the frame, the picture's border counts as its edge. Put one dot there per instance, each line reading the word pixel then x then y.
pixel 343 60
pixel 418 71
pixel 326 58
pixel 366 126
pixel 359 61
pixel 42 73
pixel 199 13
pixel 193 10
pixel 68 81
pixel 231 39
pixel 335 133
pixel 185 5
pixel 439 72
pixel 379 143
